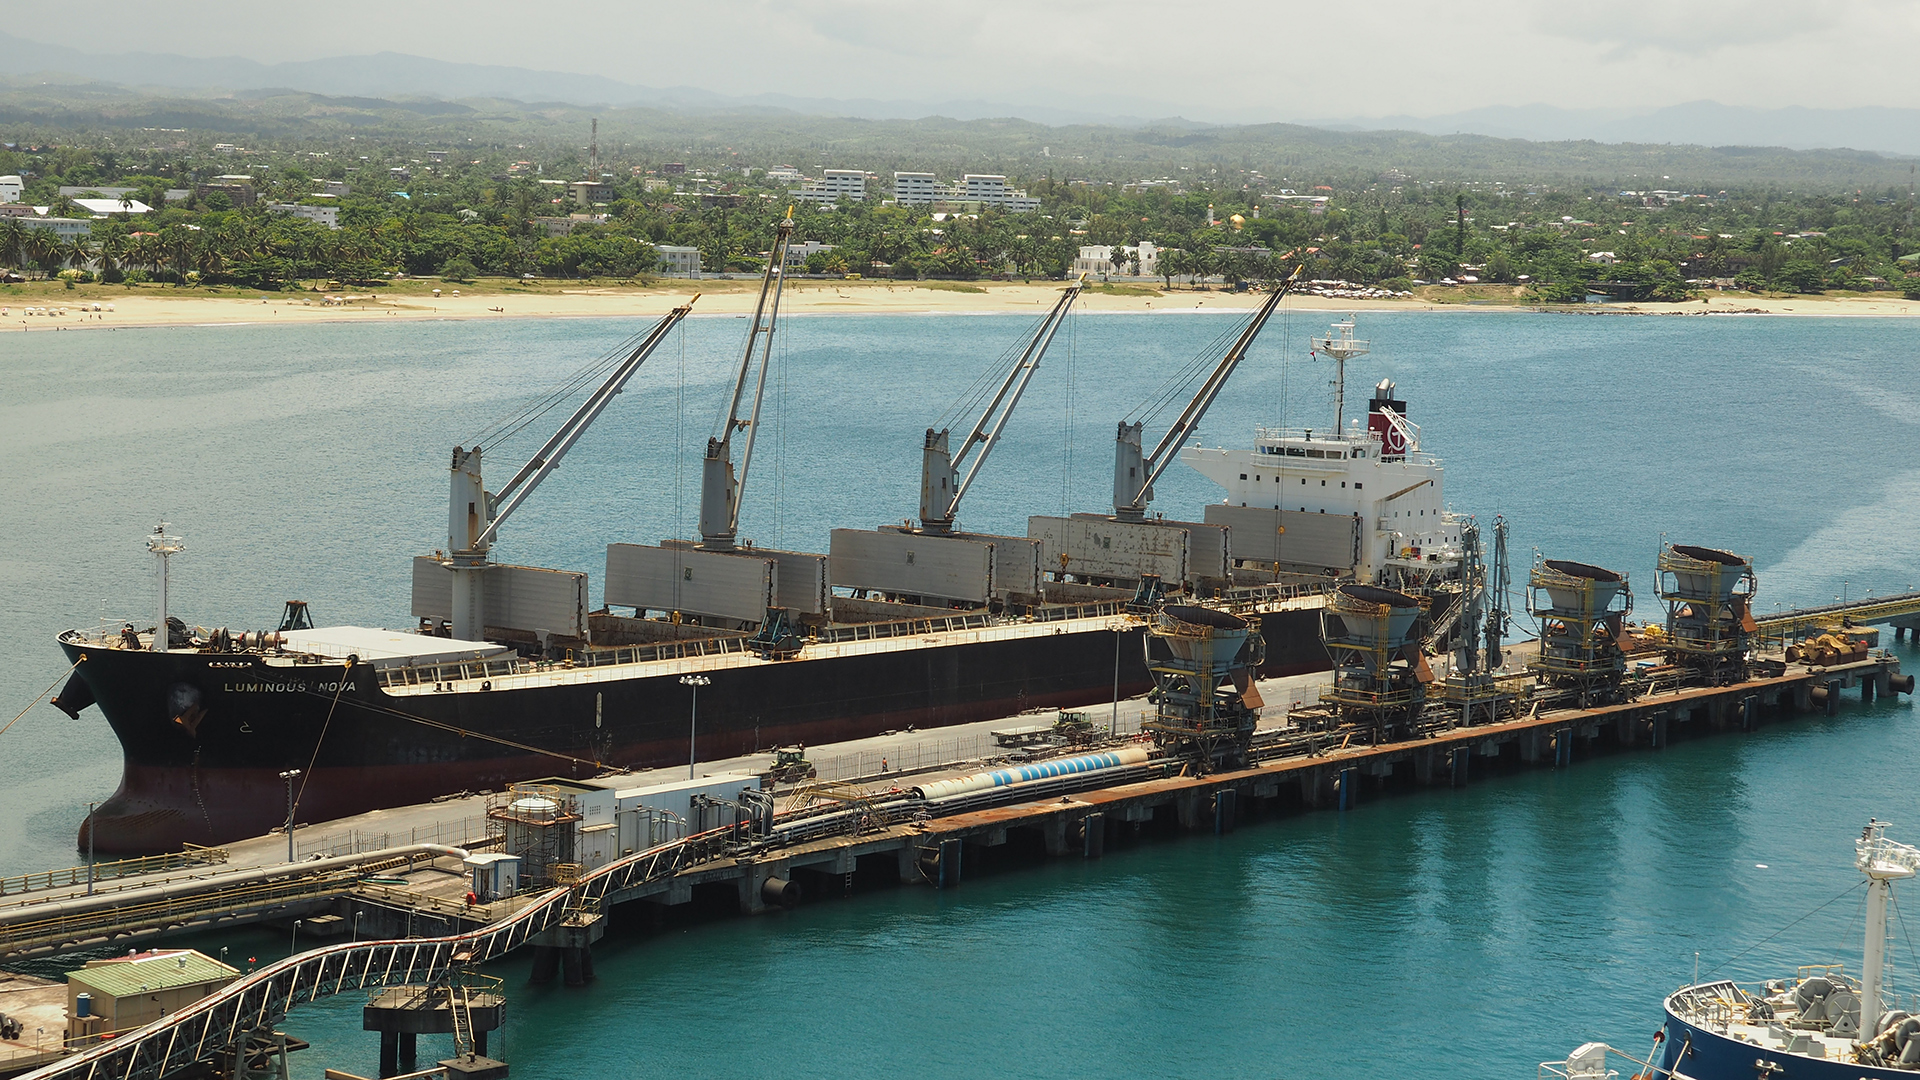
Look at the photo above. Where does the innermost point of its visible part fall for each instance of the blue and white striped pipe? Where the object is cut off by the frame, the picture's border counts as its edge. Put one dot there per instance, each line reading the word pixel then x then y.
pixel 1045 770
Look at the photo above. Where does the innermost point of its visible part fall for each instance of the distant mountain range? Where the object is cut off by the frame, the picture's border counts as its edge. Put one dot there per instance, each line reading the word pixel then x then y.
pixel 397 75
pixel 1700 123
pixel 391 74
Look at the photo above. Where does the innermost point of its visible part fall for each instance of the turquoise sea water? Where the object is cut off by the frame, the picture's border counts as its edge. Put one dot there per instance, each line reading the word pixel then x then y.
pixel 1470 932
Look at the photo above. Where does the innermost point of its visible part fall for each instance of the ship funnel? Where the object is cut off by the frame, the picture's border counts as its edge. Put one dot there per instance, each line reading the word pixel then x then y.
pixel 1383 390
pixel 1575 588
pixel 1370 617
pixel 1702 574
pixel 1201 635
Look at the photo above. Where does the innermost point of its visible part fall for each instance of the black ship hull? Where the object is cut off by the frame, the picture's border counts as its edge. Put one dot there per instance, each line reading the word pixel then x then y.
pixel 205 736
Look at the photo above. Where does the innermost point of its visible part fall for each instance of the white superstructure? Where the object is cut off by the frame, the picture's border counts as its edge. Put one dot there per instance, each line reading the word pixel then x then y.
pixel 1372 470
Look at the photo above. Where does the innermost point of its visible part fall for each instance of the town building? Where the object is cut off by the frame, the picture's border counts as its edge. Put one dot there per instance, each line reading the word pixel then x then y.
pixel 1097 260
pixel 325 215
pixel 783 174
pixel 556 227
pixel 834 185
pixel 674 168
pixel 336 188
pixel 916 188
pixel 677 261
pixel 119 204
pixel 588 192
pixel 64 228
pixel 235 187
pixel 127 992
pixel 798 254
pixel 10 188
pixel 96 191
pixel 978 189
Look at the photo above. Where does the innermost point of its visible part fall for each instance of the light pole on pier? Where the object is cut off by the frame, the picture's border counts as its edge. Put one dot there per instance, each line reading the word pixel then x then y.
pixel 90 807
pixel 288 777
pixel 693 718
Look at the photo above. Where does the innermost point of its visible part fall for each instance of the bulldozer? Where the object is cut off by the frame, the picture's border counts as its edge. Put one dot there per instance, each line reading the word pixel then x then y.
pixel 790 766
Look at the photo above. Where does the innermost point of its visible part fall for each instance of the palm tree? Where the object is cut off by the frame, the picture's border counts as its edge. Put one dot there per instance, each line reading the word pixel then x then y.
pixel 111 251
pixel 13 240
pixel 39 245
pixel 145 251
pixel 77 252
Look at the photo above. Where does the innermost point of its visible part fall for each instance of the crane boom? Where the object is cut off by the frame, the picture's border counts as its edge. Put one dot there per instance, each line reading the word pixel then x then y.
pixel 474 515
pixel 720 486
pixel 940 494
pixel 547 458
pixel 1131 497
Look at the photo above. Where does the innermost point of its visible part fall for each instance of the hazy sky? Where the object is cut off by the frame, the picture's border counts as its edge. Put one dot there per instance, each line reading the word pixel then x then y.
pixel 1281 59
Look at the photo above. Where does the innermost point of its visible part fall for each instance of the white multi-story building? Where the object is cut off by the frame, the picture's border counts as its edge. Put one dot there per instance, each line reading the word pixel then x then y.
pixel 798 254
pixel 783 174
pixel 64 228
pixel 677 261
pixel 325 215
pixel 989 189
pixel 1099 260
pixel 10 188
pixel 833 185
pixel 985 189
pixel 916 188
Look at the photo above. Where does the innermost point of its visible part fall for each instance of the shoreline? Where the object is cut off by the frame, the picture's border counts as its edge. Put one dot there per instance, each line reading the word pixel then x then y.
pixel 153 307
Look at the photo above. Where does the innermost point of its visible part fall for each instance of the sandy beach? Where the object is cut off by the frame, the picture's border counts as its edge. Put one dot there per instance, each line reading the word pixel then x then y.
pixel 162 306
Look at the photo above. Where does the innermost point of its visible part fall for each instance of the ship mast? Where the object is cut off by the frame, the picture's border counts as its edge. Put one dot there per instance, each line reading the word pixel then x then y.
pixel 163 548
pixel 1883 861
pixel 720 487
pixel 1342 348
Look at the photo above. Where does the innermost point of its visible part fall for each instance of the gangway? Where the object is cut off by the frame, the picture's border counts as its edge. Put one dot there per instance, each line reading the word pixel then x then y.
pixel 219 1021
pixel 1798 623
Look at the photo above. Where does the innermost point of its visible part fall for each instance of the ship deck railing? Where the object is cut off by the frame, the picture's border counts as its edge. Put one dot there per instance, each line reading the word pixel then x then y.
pixel 467 671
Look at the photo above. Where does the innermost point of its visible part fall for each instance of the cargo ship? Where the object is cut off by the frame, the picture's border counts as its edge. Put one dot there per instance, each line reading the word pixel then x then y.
pixel 508 677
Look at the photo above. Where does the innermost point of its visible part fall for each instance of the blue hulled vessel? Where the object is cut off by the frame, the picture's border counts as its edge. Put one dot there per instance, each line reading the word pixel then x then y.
pixel 1820 1023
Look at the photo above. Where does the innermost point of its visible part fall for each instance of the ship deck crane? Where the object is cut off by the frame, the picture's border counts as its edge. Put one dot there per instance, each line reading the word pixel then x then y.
pixel 1134 472
pixel 475 515
pixel 720 486
pixel 941 486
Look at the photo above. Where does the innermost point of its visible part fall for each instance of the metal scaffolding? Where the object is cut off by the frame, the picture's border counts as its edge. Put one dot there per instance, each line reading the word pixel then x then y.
pixel 536 823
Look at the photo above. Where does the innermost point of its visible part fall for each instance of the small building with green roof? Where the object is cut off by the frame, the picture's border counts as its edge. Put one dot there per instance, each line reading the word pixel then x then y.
pixel 132 991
